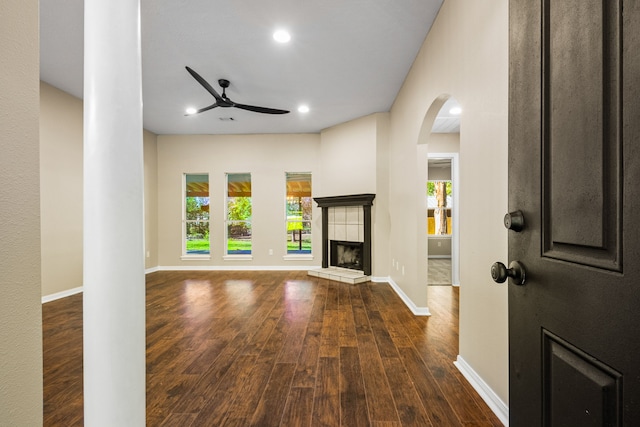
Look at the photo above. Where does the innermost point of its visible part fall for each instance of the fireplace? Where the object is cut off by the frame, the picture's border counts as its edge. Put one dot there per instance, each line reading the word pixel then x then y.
pixel 346 231
pixel 346 254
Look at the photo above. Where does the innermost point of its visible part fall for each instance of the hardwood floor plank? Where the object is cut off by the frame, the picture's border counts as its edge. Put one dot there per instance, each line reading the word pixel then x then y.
pixel 326 402
pixel 238 348
pixel 220 397
pixel 346 322
pixel 209 380
pixel 330 338
pixel 353 400
pixel 332 296
pixel 274 398
pixel 299 407
pixel 379 397
pixel 305 375
pixel 263 331
pixel 410 409
pixel 241 410
pixel 386 346
pixel 178 420
pixel 437 406
pixel 297 317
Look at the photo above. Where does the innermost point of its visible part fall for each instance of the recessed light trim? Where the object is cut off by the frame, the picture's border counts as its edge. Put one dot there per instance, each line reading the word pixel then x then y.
pixel 282 36
pixel 190 111
pixel 456 111
pixel 303 109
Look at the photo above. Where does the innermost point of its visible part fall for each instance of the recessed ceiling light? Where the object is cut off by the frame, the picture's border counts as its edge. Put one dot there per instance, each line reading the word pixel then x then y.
pixel 456 111
pixel 303 109
pixel 191 110
pixel 282 36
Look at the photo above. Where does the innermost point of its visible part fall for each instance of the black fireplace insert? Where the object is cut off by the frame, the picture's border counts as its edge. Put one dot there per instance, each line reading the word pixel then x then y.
pixel 346 254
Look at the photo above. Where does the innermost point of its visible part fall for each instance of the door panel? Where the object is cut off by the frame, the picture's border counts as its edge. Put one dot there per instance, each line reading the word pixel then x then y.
pixel 574 162
pixel 581 95
pixel 578 390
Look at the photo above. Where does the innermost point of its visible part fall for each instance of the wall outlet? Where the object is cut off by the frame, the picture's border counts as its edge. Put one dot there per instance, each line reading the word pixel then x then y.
pixel 148 254
pixel 270 251
pixel 439 244
pixel 403 270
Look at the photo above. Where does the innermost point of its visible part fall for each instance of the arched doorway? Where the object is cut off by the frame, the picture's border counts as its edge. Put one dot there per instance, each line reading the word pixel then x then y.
pixel 438 154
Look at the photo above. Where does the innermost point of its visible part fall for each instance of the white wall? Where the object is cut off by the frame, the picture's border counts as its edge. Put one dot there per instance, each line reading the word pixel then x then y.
pixel 465 55
pixel 267 158
pixel 20 308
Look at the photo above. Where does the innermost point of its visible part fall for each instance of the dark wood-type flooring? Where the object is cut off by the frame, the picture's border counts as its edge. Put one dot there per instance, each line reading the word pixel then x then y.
pixel 278 349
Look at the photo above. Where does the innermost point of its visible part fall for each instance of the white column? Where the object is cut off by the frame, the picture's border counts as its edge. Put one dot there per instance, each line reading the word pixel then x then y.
pixel 114 283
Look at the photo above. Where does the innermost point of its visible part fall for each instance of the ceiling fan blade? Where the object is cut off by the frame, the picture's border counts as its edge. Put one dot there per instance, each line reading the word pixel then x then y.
pixel 260 109
pixel 205 84
pixel 203 109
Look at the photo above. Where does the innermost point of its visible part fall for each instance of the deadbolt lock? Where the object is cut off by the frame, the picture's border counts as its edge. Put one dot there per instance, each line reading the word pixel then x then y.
pixel 514 221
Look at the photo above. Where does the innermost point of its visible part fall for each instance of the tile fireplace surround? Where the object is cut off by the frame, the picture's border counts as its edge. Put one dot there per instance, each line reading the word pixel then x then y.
pixel 345 218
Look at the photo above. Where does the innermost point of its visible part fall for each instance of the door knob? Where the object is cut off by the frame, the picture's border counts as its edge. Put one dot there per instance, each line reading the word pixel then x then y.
pixel 514 221
pixel 500 273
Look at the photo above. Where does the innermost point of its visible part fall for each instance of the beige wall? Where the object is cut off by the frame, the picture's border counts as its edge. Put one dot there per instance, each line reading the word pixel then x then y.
pixel 380 210
pixel 267 158
pixel 61 188
pixel 444 143
pixel 150 199
pixel 348 158
pixel 465 55
pixel 353 160
pixel 20 308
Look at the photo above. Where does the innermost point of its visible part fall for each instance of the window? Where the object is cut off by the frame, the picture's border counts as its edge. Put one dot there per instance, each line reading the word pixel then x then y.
pixel 196 214
pixel 299 204
pixel 238 222
pixel 439 207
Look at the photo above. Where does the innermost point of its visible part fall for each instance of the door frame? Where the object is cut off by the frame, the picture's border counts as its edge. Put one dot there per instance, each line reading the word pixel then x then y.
pixel 455 215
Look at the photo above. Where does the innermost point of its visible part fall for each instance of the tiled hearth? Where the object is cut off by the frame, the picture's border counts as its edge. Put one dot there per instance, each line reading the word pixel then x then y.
pixel 338 274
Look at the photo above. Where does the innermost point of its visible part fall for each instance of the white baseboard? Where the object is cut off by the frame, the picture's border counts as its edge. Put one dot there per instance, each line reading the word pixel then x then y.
pixel 151 270
pixel 488 395
pixel 418 311
pixel 63 294
pixel 236 267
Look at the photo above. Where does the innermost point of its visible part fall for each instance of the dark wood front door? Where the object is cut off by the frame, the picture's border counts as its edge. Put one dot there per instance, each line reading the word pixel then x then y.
pixel 574 172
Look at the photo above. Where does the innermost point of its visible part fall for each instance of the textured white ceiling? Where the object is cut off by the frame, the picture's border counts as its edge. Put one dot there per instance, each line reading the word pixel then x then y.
pixel 346 59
